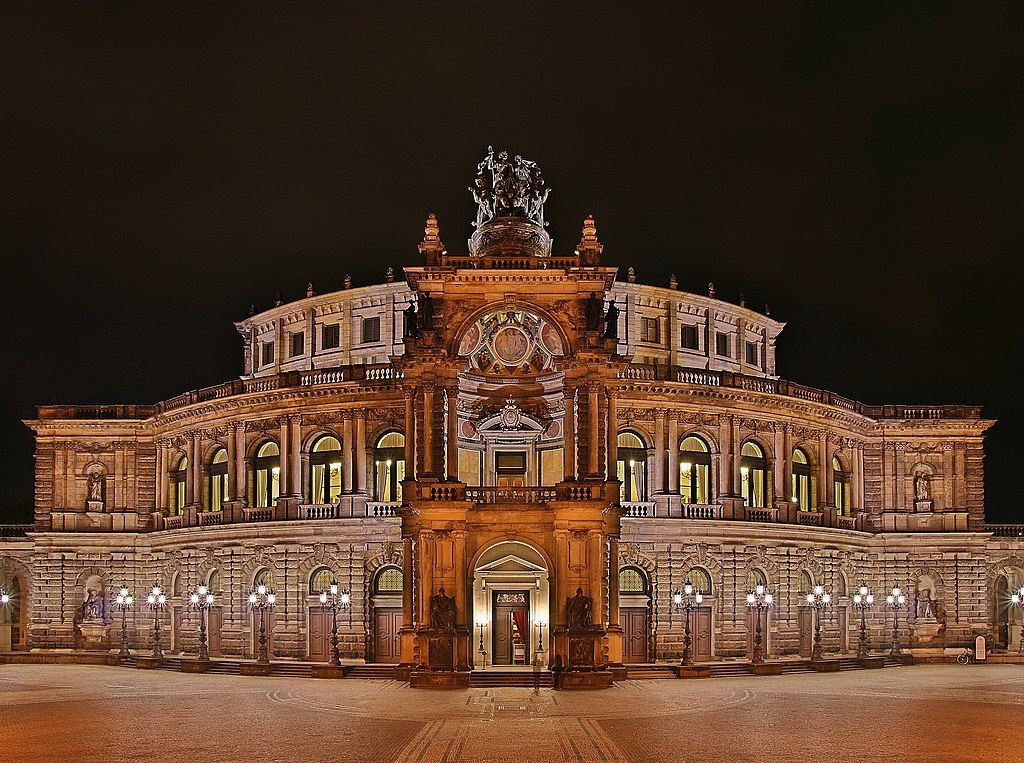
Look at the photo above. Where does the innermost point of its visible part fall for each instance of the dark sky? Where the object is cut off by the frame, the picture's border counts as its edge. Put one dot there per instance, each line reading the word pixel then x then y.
pixel 856 166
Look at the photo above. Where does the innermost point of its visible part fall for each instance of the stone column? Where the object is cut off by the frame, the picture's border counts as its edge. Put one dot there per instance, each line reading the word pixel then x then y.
pixel 452 451
pixel 858 477
pixel 346 452
pixel 657 479
pixel 593 427
pixel 161 476
pixel 824 467
pixel 284 478
pixel 462 619
pixel 359 476
pixel 569 435
pixel 948 479
pixel 410 434
pixel 613 581
pixel 428 430
pixel 612 433
pixel 232 443
pixel 407 579
pixel 787 464
pixel 241 476
pixel 193 468
pixel 779 467
pixel 673 456
pixel 295 451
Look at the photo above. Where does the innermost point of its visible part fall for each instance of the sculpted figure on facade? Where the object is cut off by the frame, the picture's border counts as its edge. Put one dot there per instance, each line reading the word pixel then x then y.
pixel 611 322
pixel 505 187
pixel 92 607
pixel 96 487
pixel 580 612
pixel 442 611
pixel 921 487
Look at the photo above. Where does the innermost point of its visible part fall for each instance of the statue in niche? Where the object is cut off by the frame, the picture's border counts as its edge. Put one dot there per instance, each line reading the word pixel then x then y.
pixel 593 312
pixel 92 607
pixel 426 313
pixel 409 328
pixel 611 321
pixel 924 604
pixel 580 612
pixel 921 487
pixel 442 611
pixel 96 487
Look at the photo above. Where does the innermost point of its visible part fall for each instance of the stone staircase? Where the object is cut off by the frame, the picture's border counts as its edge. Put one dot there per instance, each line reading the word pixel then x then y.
pixel 375 671
pixel 479 679
pixel 648 672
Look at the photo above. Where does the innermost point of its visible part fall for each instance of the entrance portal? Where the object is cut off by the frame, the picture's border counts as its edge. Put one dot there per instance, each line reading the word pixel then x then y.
pixel 510 601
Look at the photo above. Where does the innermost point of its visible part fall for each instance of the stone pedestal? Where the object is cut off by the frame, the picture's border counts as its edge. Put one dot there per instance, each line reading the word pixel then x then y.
pixel 766 669
pixel 598 679
pixel 928 633
pixel 431 679
pixel 692 671
pixel 328 671
pixel 147 663
pixel 195 666
pixel 872 662
pixel 921 507
pixel 254 669
pixel 825 666
pixel 94 634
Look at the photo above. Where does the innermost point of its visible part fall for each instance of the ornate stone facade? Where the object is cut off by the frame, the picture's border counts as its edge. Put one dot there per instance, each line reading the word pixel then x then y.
pixel 519 428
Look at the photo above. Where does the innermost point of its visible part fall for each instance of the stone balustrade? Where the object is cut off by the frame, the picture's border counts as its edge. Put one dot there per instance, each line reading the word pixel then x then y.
pixel 1006 531
pixel 484 495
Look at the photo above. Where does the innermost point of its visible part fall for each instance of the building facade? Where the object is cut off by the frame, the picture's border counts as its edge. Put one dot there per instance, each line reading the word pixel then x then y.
pixel 511 457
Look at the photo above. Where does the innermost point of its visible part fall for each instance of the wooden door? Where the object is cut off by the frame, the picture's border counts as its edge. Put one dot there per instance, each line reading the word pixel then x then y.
pixel 805 623
pixel 269 621
pixel 701 632
pixel 387 635
pixel 844 633
pixel 214 627
pixel 320 633
pixel 501 647
pixel 633 621
pixel 177 616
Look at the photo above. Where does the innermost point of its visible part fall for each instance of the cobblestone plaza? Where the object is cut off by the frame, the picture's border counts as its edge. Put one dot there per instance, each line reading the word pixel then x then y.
pixel 919 713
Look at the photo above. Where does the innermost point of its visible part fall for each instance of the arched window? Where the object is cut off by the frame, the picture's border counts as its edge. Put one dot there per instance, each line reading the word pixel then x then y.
pixel 756 578
pixel 325 471
pixel 801 481
pixel 268 474
pixel 213 583
pixel 632 581
pixel 839 486
pixel 321 580
pixel 176 585
pixel 631 468
pixel 218 486
pixel 179 489
pixel 695 470
pixel 699 578
pixel 806 583
pixel 753 485
pixel 264 577
pixel 389 467
pixel 841 585
pixel 389 580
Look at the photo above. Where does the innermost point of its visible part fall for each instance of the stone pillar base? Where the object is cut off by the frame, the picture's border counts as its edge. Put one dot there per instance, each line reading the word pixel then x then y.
pixel 437 679
pixel 254 669
pixel 825 666
pixel 195 666
pixel 328 671
pixel 766 669
pixel 600 679
pixel 872 662
pixel 692 671
pixel 148 663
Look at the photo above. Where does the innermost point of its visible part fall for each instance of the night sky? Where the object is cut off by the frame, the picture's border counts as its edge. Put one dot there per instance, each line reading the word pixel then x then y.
pixel 857 167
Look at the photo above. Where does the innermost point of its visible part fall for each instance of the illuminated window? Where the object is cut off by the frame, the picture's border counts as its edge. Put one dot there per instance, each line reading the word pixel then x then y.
pixel 699 578
pixel 268 474
pixel 266 353
pixel 753 486
pixel 179 487
pixel 325 471
pixel 218 484
pixel 756 578
pixel 389 580
pixel 839 487
pixel 330 336
pixel 371 330
pixel 801 492
pixel 264 577
pixel 806 583
pixel 649 330
pixel 298 344
pixel 389 467
pixel 695 470
pixel 722 345
pixel 321 580
pixel 631 468
pixel 632 581
pixel 214 582
pixel 752 353
pixel 690 338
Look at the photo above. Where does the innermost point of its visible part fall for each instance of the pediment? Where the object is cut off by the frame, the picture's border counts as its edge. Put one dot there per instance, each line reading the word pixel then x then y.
pixel 510 563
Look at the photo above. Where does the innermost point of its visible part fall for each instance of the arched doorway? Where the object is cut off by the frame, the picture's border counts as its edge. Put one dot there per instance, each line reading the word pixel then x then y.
pixel 510 601
pixel 1001 613
pixel 13 617
pixel 634 602
pixel 701 625
pixel 387 614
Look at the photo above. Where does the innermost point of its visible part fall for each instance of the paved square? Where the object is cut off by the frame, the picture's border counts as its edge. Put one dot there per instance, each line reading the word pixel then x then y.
pixel 926 713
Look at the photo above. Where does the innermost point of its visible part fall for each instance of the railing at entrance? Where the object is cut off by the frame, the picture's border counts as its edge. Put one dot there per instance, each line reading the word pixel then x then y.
pixel 638 508
pixel 483 495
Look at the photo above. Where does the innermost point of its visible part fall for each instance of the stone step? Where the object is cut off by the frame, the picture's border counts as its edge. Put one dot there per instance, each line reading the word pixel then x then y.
pixel 373 671
pixel 497 678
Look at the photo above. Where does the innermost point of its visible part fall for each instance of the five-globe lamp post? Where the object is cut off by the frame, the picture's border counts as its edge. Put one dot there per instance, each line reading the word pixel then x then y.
pixel 896 601
pixel 818 599
pixel 540 636
pixel 336 599
pixel 862 600
pixel 1018 599
pixel 201 599
pixel 481 624
pixel 123 601
pixel 759 600
pixel 686 599
pixel 261 599
pixel 157 600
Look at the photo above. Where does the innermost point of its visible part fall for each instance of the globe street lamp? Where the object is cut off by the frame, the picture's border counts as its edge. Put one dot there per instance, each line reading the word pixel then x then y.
pixel 156 601
pixel 201 599
pixel 335 600
pixel 896 600
pixel 123 602
pixel 540 635
pixel 759 600
pixel 262 598
pixel 1018 599
pixel 481 624
pixel 818 599
pixel 686 599
pixel 862 600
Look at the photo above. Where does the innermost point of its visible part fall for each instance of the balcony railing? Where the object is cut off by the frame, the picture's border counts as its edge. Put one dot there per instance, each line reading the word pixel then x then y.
pixel 15 531
pixel 1006 531
pixel 638 508
pixel 482 495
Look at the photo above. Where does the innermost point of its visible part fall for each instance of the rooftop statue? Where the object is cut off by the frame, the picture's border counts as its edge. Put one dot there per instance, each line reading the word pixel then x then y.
pixel 508 188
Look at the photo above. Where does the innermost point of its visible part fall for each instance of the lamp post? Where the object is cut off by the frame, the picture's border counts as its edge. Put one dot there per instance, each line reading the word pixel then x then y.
pixel 540 636
pixel 896 600
pixel 201 599
pixel 156 601
pixel 483 652
pixel 262 598
pixel 759 600
pixel 123 602
pixel 685 600
pixel 818 599
pixel 1018 599
pixel 862 600
pixel 336 600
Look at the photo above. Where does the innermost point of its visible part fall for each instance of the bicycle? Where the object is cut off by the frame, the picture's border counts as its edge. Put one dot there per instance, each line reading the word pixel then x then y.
pixel 966 656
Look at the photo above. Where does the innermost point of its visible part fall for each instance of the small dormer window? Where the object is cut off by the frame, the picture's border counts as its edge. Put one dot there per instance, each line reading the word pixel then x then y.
pixel 267 353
